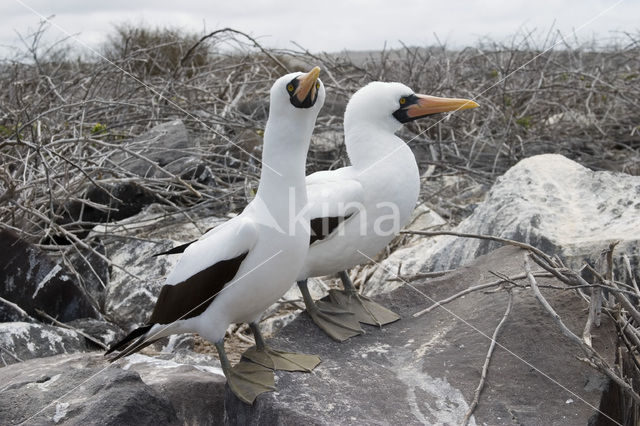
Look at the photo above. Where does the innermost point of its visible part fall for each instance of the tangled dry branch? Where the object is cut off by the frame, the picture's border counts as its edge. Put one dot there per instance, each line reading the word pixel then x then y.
pixel 62 119
pixel 621 307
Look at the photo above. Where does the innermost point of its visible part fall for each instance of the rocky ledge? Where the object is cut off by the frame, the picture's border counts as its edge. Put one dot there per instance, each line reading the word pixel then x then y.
pixel 425 370
pixel 420 370
pixel 81 389
pixel 548 201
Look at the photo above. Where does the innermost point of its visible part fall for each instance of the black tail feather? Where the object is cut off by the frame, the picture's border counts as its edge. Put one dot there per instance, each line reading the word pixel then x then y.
pixel 178 249
pixel 140 331
pixel 134 347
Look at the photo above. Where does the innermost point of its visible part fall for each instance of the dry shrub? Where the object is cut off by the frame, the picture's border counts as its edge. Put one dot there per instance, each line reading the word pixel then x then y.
pixel 63 118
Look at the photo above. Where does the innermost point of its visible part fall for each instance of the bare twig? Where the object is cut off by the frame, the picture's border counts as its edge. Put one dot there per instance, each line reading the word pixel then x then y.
pixel 626 303
pixel 233 31
pixel 21 312
pixel 595 303
pixel 471 290
pixel 515 243
pixel 11 354
pixel 632 276
pixel 592 357
pixel 487 360
pixel 80 332
pixel 421 276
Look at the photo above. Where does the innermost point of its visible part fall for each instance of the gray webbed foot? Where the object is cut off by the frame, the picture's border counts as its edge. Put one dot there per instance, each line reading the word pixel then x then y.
pixel 246 379
pixel 334 320
pixel 364 309
pixel 275 359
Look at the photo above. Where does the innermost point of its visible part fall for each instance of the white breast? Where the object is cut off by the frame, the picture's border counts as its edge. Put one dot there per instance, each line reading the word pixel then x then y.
pixel 390 189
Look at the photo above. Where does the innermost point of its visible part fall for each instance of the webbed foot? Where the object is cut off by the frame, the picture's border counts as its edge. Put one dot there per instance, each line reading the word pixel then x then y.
pixel 280 360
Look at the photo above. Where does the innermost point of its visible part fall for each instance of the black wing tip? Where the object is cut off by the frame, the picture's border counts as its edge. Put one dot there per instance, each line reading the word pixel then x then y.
pixel 136 346
pixel 170 251
pixel 140 331
pixel 176 250
pixel 322 227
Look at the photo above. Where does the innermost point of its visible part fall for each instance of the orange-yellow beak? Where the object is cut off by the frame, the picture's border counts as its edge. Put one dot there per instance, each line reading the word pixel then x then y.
pixel 307 84
pixel 427 105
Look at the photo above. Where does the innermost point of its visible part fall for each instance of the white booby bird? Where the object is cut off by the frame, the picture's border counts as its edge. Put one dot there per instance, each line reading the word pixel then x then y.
pixel 356 211
pixel 238 269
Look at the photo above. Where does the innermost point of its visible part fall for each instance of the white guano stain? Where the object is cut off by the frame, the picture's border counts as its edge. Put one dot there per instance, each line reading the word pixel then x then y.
pixel 432 401
pixel 61 411
pixel 52 273
pixel 433 341
pixel 44 386
pixel 135 359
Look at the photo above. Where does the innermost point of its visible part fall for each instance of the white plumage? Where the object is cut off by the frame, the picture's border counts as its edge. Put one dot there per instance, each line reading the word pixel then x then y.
pixel 275 253
pixel 375 195
pixel 238 269
pixel 382 181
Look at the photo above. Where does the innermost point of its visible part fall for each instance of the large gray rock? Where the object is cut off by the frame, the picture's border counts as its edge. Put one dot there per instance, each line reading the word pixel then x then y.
pixel 548 201
pixel 425 370
pixel 194 384
pixel 29 340
pixel 85 389
pixel 32 280
pixel 92 270
pixel 105 332
pixel 133 290
pixel 79 390
pixel 166 145
pixel 122 200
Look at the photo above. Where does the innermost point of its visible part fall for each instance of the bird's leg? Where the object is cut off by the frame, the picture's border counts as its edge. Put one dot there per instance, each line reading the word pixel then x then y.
pixel 347 283
pixel 338 323
pixel 366 310
pixel 246 380
pixel 257 336
pixel 276 359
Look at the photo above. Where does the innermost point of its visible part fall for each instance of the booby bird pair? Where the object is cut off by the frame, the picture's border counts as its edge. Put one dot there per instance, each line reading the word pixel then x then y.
pixel 238 269
pixel 356 211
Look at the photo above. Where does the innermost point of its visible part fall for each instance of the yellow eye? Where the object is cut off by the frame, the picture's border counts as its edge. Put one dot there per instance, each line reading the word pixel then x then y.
pixel 317 84
pixel 403 101
pixel 290 87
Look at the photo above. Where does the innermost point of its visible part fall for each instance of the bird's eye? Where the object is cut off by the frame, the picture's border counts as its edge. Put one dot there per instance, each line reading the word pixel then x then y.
pixel 403 101
pixel 317 85
pixel 290 87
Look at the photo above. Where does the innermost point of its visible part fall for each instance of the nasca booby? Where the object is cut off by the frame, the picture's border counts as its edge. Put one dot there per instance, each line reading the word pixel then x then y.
pixel 356 211
pixel 236 270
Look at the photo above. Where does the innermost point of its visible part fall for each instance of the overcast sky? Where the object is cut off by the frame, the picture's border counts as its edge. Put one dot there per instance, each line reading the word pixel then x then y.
pixel 328 25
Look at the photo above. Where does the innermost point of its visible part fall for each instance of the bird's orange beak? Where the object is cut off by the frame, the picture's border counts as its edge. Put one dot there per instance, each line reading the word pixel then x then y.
pixel 427 105
pixel 307 84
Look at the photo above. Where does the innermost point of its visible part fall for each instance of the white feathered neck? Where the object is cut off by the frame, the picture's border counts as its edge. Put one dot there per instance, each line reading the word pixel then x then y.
pixel 369 125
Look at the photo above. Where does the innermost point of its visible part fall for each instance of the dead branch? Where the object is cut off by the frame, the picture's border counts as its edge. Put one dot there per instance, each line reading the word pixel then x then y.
pixel 515 243
pixel 592 357
pixel 487 360
pixel 626 303
pixel 632 277
pixel 233 31
pixel 21 312
pixel 67 326
pixel 11 354
pixel 474 288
